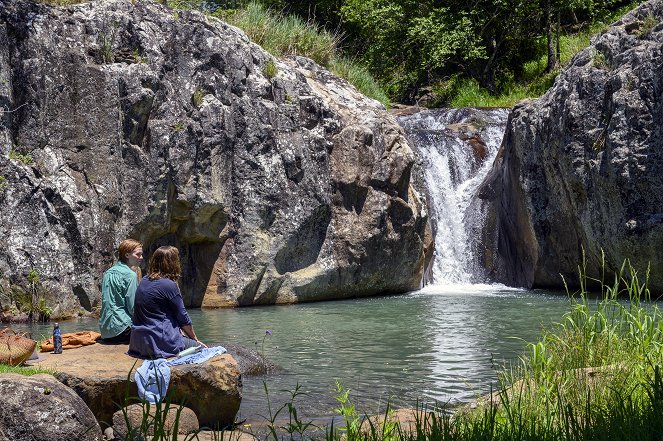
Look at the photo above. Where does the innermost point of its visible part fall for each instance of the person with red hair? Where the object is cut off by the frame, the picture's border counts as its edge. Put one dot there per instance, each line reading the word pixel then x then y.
pixel 118 289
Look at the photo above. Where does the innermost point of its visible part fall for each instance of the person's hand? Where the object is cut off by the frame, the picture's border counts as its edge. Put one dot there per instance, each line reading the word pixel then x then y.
pixel 201 343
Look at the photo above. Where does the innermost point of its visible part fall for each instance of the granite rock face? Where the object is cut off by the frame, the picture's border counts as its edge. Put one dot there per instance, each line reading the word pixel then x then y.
pixel 40 408
pixel 128 119
pixel 582 167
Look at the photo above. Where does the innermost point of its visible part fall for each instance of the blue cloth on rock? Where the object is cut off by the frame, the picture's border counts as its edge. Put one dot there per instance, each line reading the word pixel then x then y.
pixel 152 379
pixel 199 357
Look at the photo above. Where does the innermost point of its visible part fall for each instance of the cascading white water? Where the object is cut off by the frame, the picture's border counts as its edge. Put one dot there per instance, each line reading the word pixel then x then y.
pixel 455 149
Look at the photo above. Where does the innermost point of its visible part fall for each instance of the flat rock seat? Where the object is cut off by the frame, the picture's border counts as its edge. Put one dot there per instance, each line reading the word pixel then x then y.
pixel 99 374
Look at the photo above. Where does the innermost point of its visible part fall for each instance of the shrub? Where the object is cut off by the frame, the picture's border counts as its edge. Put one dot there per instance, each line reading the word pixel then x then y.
pixel 197 97
pixel 269 70
pixel 24 158
pixel 648 23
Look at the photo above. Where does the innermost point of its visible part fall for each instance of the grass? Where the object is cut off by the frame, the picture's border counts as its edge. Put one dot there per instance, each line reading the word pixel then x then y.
pixel 596 375
pixel 23 370
pixel 62 2
pixel 23 158
pixel 270 69
pixel 283 35
pixel 535 81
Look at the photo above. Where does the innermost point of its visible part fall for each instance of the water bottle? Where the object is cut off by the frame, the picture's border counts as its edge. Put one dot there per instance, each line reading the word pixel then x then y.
pixel 57 339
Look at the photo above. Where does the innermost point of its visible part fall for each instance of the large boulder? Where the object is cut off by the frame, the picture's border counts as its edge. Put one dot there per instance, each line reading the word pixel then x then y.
pixel 40 408
pixel 102 375
pixel 277 181
pixel 582 167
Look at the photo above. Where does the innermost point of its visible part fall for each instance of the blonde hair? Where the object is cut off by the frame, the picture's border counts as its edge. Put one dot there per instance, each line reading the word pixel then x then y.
pixel 127 246
pixel 164 264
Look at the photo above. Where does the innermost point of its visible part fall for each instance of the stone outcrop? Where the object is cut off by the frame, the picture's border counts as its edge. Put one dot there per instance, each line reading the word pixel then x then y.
pixel 582 167
pixel 40 408
pixel 127 119
pixel 99 374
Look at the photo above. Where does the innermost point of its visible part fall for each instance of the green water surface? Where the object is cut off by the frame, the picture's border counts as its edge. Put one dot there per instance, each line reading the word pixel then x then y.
pixel 439 344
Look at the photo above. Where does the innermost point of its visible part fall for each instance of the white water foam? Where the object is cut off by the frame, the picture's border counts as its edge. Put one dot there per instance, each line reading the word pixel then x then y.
pixel 452 174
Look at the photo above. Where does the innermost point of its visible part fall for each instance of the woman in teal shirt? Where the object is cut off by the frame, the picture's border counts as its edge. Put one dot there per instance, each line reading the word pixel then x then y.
pixel 118 289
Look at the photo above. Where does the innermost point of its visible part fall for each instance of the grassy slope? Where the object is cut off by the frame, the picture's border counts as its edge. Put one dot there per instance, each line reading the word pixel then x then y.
pixel 283 35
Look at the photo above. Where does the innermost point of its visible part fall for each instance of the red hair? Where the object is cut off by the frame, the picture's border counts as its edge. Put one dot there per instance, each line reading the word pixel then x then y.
pixel 127 246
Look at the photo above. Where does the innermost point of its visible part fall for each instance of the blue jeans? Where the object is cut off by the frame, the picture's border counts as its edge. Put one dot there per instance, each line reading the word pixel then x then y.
pixel 189 342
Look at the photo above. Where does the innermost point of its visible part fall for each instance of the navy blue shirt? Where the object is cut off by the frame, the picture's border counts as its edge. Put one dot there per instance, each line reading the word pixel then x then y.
pixel 158 314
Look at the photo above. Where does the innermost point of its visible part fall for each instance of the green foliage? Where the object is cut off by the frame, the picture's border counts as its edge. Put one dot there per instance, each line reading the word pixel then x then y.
pixel 153 418
pixel 409 44
pixel 283 35
pixel 138 58
pixel 105 42
pixel 360 77
pixel 197 97
pixel 3 183
pixel 534 82
pixel 33 300
pixel 24 158
pixel 269 69
pixel 295 426
pixel 599 60
pixel 648 23
pixel 23 370
pixel 347 411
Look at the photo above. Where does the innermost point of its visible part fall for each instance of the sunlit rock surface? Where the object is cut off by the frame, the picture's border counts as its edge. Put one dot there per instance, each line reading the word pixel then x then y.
pixel 582 167
pixel 102 375
pixel 41 408
pixel 161 125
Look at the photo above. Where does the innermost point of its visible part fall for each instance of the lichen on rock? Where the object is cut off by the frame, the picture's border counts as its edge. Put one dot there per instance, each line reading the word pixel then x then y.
pixel 163 127
pixel 581 169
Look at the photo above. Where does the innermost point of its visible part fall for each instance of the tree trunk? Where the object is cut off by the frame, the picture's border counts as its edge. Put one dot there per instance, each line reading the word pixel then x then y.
pixel 558 54
pixel 550 34
pixel 487 80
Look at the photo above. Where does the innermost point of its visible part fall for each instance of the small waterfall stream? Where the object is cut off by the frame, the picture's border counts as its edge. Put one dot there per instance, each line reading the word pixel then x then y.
pixel 455 149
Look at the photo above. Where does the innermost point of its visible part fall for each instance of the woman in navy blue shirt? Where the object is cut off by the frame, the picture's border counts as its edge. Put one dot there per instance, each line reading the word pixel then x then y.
pixel 161 326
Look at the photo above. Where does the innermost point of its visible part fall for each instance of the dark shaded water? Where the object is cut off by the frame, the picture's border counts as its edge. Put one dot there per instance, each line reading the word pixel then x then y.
pixel 438 344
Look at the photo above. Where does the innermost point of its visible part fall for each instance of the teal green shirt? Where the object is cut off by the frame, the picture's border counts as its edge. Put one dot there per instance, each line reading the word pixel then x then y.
pixel 118 290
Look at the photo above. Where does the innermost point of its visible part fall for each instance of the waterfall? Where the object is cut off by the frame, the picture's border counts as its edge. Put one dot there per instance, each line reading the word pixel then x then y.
pixel 455 149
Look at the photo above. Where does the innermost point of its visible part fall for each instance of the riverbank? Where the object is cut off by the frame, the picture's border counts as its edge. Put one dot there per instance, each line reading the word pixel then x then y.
pixel 596 375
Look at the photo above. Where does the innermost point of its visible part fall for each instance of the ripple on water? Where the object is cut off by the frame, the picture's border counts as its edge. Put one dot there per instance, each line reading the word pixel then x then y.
pixel 440 343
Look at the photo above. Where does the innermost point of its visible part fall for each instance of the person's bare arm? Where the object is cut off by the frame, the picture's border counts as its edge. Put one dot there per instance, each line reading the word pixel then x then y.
pixel 189 332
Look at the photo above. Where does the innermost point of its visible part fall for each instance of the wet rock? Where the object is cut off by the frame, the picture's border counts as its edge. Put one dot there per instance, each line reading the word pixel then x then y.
pixel 581 168
pixel 103 376
pixel 133 120
pixel 252 362
pixel 40 408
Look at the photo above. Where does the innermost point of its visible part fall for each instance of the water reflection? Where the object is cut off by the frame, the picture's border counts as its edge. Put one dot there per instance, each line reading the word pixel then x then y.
pixel 436 344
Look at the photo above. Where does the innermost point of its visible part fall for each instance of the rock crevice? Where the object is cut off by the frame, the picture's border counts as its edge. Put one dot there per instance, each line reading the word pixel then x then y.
pixel 581 169
pixel 146 123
